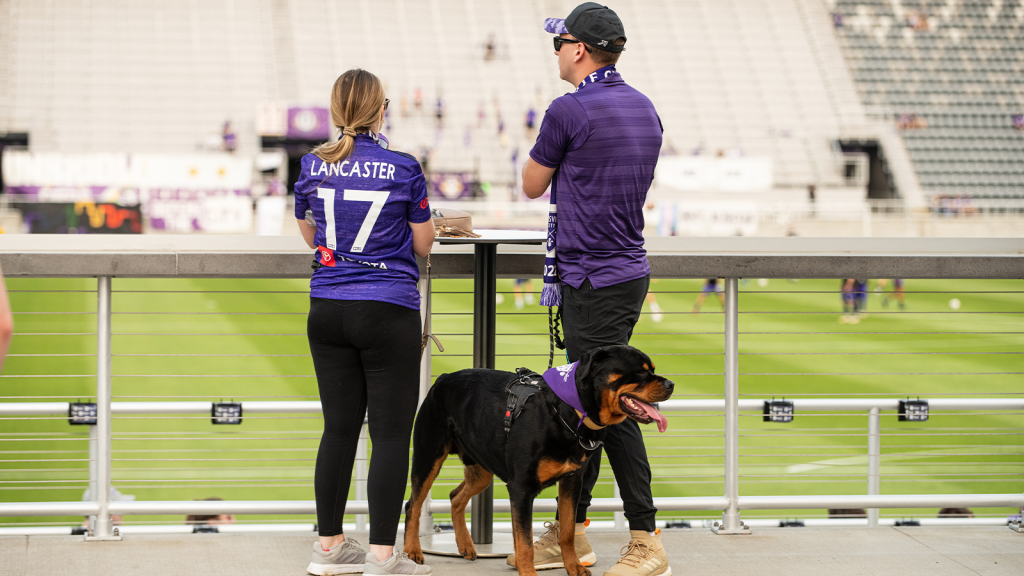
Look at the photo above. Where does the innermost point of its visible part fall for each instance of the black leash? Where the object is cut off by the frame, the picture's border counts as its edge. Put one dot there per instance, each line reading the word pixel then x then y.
pixel 590 445
pixel 554 339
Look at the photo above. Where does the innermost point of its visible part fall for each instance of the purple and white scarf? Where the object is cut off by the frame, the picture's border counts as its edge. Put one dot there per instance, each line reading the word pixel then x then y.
pixel 551 295
pixel 597 76
pixel 562 381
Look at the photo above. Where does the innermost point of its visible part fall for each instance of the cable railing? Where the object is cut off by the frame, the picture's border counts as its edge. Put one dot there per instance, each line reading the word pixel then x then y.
pixel 222 333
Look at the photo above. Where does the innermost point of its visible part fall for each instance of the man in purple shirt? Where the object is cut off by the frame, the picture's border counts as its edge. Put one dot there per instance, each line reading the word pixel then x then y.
pixel 597 148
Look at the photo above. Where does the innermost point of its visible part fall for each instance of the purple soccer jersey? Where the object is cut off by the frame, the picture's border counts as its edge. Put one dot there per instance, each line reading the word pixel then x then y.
pixel 362 207
pixel 604 141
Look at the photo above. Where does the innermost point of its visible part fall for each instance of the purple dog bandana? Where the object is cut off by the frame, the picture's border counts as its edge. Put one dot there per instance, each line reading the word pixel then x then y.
pixel 562 381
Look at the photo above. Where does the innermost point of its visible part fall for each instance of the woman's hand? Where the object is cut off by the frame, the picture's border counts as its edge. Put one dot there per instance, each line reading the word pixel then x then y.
pixel 422 237
pixel 308 233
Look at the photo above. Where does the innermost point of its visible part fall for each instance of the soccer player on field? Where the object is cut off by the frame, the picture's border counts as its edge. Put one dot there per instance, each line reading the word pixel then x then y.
pixel 711 286
pixel 855 298
pixel 897 292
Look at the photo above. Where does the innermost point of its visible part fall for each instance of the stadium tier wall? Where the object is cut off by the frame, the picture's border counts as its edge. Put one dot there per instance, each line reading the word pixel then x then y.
pixel 764 78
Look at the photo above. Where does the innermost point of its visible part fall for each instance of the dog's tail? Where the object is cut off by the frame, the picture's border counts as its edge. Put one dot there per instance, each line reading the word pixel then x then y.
pixel 431 442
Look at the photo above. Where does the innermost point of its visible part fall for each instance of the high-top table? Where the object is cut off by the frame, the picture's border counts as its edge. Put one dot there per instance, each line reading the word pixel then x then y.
pixel 485 257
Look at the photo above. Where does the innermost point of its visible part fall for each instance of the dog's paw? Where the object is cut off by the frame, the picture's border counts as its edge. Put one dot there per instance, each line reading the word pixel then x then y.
pixel 578 570
pixel 416 556
pixel 465 544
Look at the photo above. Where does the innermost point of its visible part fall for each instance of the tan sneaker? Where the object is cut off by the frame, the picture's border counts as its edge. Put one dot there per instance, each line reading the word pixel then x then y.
pixel 547 553
pixel 643 556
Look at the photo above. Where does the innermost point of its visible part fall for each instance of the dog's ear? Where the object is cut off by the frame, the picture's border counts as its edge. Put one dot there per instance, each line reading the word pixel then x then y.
pixel 589 361
pixel 646 358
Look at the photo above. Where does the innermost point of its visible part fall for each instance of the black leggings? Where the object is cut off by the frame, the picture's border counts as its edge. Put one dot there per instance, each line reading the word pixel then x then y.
pixel 367 356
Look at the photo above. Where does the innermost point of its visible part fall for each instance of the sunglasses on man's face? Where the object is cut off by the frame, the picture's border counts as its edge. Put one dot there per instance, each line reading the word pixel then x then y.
pixel 559 41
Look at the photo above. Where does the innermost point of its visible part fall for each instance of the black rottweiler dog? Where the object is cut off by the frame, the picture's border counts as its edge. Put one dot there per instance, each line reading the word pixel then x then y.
pixel 464 414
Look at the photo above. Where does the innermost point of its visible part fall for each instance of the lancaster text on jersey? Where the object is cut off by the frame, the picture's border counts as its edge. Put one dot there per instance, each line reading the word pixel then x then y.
pixel 352 169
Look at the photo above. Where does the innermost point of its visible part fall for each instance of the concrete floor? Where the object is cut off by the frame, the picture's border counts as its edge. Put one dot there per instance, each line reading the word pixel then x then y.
pixel 935 551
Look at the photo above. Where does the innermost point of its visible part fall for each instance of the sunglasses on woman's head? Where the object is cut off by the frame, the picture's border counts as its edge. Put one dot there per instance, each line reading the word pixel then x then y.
pixel 386 102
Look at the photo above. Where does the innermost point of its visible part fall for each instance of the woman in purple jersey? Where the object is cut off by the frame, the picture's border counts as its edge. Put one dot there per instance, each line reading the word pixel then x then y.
pixel 364 210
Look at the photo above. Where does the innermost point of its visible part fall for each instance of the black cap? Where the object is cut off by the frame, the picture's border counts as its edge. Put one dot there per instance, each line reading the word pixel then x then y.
pixel 596 25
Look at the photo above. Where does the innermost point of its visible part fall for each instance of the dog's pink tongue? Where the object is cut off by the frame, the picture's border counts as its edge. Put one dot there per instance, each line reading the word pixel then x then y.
pixel 658 416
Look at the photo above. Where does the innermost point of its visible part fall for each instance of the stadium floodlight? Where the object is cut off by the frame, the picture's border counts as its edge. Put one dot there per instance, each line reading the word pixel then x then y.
pixel 913 411
pixel 80 413
pixel 778 410
pixel 226 413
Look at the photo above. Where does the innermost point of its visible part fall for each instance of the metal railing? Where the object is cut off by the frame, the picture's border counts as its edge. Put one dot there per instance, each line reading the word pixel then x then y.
pixel 671 258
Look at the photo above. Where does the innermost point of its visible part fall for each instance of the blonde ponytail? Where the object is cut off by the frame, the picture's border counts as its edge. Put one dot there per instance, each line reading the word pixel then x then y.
pixel 356 100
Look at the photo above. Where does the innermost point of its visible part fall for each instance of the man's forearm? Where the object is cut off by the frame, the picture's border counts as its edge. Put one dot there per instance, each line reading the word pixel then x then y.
pixel 536 178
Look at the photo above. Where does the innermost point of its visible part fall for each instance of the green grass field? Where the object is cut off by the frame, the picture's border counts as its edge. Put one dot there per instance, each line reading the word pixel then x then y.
pixel 244 339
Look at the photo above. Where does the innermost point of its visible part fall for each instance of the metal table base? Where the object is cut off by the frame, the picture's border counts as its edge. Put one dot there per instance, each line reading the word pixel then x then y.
pixel 485 258
pixel 443 544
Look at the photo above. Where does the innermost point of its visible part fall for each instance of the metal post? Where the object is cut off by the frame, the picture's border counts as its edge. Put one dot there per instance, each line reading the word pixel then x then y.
pixel 620 517
pixel 361 475
pixel 485 287
pixel 425 305
pixel 103 529
pixel 874 457
pixel 93 467
pixel 426 518
pixel 731 523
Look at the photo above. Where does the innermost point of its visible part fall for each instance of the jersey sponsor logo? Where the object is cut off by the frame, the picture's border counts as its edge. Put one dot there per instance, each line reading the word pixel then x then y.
pixel 352 169
pixel 329 258
pixel 423 204
pixel 326 256
pixel 379 265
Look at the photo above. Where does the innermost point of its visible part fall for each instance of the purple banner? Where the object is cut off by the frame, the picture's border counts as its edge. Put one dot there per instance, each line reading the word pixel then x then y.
pixel 80 218
pixel 309 123
pixel 123 196
pixel 451 185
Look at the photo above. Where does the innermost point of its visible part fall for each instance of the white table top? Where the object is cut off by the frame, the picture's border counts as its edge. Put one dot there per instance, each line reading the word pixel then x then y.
pixel 499 237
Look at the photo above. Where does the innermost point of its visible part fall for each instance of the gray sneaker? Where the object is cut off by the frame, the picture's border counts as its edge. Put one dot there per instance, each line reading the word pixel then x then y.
pixel 399 563
pixel 345 559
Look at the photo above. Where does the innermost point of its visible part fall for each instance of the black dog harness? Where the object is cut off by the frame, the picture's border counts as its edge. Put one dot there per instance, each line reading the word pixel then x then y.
pixel 519 391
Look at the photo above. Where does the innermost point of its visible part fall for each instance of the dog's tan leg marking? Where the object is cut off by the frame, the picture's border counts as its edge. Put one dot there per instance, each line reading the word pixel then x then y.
pixel 567 490
pixel 522 540
pixel 412 517
pixel 548 469
pixel 476 481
